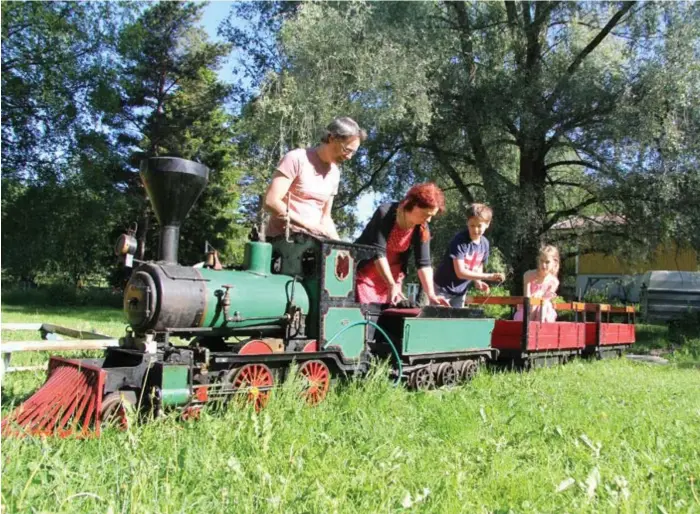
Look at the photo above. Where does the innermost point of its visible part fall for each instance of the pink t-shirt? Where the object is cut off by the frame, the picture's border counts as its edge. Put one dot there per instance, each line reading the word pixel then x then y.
pixel 313 184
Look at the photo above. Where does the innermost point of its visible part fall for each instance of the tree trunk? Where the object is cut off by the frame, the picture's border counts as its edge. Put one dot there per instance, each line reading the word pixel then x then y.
pixel 532 212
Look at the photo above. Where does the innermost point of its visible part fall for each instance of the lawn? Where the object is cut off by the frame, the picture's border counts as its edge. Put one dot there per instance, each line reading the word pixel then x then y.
pixel 606 436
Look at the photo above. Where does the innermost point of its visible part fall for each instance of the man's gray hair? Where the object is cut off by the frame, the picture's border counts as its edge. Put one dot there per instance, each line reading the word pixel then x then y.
pixel 343 128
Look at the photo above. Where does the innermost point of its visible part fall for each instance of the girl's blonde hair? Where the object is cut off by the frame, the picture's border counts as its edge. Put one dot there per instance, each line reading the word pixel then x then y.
pixel 551 252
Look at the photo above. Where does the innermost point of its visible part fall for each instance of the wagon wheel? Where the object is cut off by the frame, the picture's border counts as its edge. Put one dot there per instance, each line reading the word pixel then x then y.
pixel 447 374
pixel 423 378
pixel 251 378
pixel 116 409
pixel 317 380
pixel 191 412
pixel 469 369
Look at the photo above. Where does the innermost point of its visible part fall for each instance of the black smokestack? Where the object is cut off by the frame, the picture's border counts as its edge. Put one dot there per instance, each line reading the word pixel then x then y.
pixel 173 185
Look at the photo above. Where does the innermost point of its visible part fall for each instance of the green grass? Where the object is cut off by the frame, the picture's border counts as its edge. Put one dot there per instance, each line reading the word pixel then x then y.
pixel 107 321
pixel 606 436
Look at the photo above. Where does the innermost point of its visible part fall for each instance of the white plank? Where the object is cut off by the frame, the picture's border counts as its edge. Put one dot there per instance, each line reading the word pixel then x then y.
pixel 34 346
pixel 21 326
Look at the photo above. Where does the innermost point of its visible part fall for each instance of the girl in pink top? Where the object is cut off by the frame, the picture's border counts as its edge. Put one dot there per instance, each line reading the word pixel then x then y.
pixel 542 283
pixel 307 179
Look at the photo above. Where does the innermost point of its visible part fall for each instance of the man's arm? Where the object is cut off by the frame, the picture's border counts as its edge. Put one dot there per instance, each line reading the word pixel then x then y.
pixel 327 220
pixel 275 204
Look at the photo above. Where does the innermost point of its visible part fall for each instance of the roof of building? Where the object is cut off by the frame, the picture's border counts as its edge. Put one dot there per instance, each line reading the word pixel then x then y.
pixel 589 222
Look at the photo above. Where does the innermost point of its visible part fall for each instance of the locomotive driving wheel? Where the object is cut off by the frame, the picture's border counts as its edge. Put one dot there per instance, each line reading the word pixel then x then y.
pixel 252 378
pixel 447 375
pixel 317 380
pixel 422 379
pixel 116 409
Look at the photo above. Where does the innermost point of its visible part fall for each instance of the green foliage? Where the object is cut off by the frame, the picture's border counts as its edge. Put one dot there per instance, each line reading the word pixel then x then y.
pixel 61 294
pixel 88 90
pixel 545 110
pixel 58 203
pixel 61 229
pixel 171 103
pixel 686 331
pixel 678 341
pixel 495 311
pixel 52 62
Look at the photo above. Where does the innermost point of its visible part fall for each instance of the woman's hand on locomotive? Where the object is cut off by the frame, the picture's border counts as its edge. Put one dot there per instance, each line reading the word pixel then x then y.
pixel 438 300
pixel 395 293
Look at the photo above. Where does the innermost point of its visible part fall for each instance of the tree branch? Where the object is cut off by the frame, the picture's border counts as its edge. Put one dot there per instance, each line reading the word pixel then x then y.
pixel 353 197
pixel 568 212
pixel 587 164
pixel 453 173
pixel 554 183
pixel 576 63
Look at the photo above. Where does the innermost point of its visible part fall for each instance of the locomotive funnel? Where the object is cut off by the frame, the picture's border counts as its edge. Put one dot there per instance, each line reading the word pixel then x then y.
pixel 173 185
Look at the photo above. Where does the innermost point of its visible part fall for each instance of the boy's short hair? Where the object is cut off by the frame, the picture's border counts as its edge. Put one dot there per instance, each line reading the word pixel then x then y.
pixel 481 211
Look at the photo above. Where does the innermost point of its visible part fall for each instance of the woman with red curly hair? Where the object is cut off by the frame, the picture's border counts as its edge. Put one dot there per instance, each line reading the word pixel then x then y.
pixel 394 230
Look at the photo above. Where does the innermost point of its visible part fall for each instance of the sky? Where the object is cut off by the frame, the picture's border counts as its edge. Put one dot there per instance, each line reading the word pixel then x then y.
pixel 213 15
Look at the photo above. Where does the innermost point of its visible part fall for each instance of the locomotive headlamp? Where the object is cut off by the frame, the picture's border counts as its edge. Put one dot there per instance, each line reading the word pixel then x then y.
pixel 126 247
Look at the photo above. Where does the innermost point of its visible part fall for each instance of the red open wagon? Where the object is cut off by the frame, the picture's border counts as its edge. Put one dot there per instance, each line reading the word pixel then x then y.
pixel 532 343
pixel 610 331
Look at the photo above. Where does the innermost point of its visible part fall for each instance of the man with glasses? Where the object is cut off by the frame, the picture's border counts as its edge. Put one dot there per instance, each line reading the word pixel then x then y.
pixel 306 180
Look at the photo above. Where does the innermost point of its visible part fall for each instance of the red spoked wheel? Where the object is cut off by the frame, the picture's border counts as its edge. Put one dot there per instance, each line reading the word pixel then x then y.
pixel 317 378
pixel 191 412
pixel 254 377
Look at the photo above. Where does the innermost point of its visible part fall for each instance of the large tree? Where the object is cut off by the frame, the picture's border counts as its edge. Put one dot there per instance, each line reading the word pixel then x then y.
pixel 547 110
pixel 165 99
pixel 57 204
pixel 53 57
pixel 88 90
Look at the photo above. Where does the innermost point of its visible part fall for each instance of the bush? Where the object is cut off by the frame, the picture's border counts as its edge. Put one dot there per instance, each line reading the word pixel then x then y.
pixel 494 311
pixel 686 328
pixel 61 295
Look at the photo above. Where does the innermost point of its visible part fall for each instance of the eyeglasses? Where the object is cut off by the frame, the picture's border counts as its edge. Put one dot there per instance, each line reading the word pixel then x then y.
pixel 347 151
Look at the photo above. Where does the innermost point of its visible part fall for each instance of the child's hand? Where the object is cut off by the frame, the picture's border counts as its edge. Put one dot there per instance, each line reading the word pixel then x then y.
pixel 439 300
pixel 481 286
pixel 497 277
